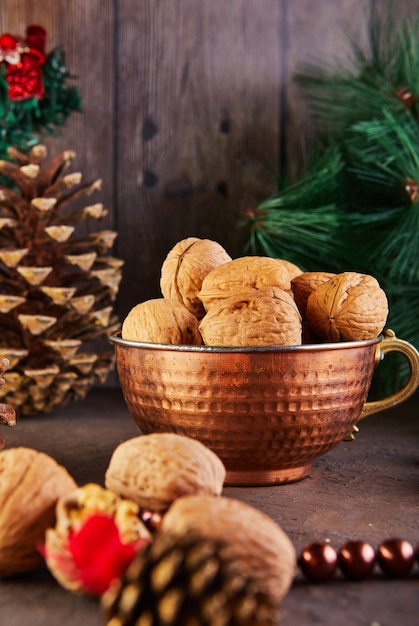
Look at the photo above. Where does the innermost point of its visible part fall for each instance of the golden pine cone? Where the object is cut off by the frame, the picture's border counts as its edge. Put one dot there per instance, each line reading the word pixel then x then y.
pixel 182 581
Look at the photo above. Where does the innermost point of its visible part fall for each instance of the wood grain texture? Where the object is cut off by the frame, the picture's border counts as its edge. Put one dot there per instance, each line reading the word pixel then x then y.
pixel 315 34
pixel 198 125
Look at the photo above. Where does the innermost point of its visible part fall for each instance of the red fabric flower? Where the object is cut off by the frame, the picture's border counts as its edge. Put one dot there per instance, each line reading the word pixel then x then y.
pixel 99 553
pixel 94 555
pixel 24 59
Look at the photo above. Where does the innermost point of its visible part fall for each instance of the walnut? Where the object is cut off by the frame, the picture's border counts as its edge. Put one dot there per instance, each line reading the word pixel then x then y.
pixel 185 267
pixel 155 469
pixel 161 321
pixel 304 284
pixel 262 317
pixel 348 307
pixel 293 270
pixel 255 544
pixel 30 484
pixel 231 278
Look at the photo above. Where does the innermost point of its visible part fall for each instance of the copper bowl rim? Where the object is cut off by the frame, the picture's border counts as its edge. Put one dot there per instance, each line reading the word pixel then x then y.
pixel 313 347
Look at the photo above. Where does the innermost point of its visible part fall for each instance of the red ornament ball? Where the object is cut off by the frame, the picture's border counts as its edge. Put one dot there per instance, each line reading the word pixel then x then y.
pixel 356 559
pixel 396 557
pixel 318 562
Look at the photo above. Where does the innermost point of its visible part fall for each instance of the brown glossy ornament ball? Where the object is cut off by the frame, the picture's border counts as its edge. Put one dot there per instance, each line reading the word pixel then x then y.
pixel 395 557
pixel 318 562
pixel 356 559
pixel 151 519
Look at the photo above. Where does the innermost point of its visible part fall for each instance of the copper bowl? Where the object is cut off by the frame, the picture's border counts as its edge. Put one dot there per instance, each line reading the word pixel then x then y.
pixel 267 412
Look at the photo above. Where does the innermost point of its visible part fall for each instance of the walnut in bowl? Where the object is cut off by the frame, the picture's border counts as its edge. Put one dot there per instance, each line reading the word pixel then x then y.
pixel 185 267
pixel 161 320
pixel 348 307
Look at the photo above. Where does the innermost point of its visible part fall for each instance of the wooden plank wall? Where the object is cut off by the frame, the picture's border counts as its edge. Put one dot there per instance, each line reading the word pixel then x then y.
pixel 189 109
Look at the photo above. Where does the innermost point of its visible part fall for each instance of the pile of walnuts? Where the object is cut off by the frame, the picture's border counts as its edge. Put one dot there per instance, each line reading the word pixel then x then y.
pixel 208 298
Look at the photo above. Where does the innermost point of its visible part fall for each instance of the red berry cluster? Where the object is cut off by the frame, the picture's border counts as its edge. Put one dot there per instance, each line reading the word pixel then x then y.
pixel 319 562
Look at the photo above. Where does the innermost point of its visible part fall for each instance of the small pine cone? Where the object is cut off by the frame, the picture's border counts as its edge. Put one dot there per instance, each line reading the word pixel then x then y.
pixel 183 581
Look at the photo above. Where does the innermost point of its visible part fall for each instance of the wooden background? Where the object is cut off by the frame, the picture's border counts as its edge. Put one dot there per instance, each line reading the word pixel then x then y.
pixel 189 109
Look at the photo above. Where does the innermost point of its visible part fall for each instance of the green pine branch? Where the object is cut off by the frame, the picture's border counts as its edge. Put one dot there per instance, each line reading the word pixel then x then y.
pixel 356 207
pixel 301 221
pixel 381 75
pixel 383 156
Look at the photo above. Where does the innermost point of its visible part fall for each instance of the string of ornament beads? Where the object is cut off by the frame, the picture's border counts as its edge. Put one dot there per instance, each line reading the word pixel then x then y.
pixel 357 560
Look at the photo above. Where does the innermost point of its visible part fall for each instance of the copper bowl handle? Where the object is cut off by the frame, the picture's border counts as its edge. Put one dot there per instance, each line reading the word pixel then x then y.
pixel 391 343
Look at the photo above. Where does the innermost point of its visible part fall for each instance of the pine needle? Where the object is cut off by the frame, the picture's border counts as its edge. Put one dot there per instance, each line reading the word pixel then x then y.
pixel 300 222
pixel 386 154
pixel 384 74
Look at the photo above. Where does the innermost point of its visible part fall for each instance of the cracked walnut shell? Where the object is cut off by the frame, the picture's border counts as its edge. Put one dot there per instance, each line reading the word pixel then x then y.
pixel 264 317
pixel 155 469
pixel 348 307
pixel 31 483
pixel 161 321
pixel 255 544
pixel 185 267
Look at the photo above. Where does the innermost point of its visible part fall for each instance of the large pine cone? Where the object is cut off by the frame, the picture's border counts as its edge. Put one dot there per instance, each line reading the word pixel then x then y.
pixel 58 283
pixel 183 581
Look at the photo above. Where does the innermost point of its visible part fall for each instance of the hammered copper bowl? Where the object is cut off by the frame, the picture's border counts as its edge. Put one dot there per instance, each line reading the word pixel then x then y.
pixel 267 412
